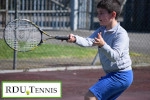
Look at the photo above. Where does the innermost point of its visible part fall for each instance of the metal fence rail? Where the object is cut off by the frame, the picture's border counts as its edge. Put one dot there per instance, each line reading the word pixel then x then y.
pixel 48 14
pixel 3 13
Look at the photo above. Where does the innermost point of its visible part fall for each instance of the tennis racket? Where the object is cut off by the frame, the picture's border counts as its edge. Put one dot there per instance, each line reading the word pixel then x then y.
pixel 23 35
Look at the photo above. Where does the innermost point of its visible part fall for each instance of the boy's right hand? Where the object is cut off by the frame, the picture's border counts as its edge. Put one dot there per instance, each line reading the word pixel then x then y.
pixel 72 38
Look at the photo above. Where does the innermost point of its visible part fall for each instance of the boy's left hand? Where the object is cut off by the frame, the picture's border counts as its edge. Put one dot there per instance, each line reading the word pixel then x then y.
pixel 99 41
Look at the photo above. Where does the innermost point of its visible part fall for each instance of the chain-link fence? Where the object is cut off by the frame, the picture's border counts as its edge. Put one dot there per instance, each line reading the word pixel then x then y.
pixel 56 53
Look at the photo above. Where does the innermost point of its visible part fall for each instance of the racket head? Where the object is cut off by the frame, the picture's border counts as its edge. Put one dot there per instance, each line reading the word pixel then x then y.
pixel 22 35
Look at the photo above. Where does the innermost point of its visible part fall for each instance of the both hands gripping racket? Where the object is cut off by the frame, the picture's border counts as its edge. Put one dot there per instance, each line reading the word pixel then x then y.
pixel 23 35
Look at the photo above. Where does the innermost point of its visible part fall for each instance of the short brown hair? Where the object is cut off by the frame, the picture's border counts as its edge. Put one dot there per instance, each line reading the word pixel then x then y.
pixel 110 6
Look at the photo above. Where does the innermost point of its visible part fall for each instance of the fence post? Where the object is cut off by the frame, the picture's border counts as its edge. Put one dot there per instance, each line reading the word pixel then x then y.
pixel 92 15
pixel 6 12
pixel 95 59
pixel 74 15
pixel 15 52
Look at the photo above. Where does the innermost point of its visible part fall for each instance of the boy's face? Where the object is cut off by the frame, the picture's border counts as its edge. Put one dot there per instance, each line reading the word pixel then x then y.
pixel 104 17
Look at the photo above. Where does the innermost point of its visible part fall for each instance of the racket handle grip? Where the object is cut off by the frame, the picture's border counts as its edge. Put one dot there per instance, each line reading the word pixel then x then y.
pixel 61 37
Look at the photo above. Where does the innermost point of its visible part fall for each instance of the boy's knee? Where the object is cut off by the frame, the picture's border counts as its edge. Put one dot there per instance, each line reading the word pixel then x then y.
pixel 89 96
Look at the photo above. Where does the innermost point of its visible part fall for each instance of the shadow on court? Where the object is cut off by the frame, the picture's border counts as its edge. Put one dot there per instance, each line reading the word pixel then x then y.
pixel 75 83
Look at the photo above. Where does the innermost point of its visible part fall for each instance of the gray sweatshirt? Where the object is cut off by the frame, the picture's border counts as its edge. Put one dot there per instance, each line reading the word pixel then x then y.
pixel 114 55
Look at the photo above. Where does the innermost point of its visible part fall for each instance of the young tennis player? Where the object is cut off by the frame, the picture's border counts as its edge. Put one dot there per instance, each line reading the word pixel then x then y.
pixel 113 47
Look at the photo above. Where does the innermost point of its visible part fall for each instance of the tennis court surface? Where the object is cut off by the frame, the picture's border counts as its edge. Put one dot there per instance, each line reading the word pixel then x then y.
pixel 75 83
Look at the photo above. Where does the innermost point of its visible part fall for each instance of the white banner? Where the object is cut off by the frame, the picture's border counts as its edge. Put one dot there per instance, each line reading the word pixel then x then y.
pixel 31 89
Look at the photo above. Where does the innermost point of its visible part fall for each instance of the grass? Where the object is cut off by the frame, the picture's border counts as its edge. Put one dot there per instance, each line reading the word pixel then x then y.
pixel 134 54
pixel 47 51
pixel 60 51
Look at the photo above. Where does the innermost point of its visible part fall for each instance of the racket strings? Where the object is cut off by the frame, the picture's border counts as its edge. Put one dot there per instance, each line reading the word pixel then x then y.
pixel 21 35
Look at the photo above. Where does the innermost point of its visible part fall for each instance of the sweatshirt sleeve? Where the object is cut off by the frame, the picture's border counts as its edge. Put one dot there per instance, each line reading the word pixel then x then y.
pixel 86 42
